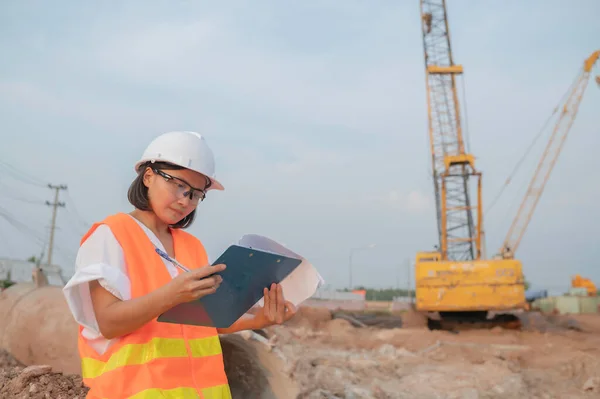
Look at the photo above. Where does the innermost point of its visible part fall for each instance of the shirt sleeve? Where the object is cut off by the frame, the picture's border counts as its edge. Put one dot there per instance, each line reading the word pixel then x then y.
pixel 100 258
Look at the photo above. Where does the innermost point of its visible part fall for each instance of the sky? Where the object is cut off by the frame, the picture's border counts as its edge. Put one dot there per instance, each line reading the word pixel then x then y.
pixel 316 112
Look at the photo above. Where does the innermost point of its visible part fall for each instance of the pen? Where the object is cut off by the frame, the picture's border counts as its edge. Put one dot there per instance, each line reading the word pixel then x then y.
pixel 173 261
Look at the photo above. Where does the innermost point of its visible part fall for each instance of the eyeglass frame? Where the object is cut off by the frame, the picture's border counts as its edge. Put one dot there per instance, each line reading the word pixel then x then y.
pixel 184 194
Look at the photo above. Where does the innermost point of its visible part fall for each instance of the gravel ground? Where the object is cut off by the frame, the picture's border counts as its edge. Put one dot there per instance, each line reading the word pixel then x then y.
pixel 332 359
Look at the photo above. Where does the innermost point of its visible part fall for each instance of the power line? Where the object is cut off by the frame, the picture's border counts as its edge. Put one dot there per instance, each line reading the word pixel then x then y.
pixel 20 226
pixel 20 175
pixel 75 212
pixel 32 180
pixel 6 192
pixel 41 238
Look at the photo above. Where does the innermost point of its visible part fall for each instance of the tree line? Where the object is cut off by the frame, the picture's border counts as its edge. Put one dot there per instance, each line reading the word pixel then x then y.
pixel 383 294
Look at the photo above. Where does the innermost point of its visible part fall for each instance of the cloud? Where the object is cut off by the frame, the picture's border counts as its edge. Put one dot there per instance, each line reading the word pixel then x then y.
pixel 411 201
pixel 211 56
pixel 49 100
pixel 418 202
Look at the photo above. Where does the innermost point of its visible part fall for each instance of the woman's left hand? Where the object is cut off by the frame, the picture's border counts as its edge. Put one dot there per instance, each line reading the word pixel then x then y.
pixel 275 310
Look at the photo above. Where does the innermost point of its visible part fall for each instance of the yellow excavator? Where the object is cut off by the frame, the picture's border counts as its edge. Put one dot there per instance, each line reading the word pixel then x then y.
pixel 582 282
pixel 456 283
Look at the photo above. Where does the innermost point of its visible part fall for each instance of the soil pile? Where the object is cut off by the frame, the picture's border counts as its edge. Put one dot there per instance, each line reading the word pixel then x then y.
pixel 331 358
pixel 36 382
pixel 341 361
pixel 310 317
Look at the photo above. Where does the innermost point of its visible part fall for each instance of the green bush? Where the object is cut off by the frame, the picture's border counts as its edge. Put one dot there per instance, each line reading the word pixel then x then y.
pixel 6 283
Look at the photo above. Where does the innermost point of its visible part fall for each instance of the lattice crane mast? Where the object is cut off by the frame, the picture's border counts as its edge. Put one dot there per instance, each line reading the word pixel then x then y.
pixel 568 111
pixel 459 230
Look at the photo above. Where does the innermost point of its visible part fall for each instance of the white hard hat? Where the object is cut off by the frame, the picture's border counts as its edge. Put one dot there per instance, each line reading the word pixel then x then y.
pixel 186 149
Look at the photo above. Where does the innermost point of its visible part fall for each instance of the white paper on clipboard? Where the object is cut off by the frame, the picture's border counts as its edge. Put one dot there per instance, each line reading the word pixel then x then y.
pixel 299 285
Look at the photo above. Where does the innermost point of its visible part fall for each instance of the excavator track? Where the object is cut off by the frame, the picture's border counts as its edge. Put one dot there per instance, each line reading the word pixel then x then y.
pixel 460 321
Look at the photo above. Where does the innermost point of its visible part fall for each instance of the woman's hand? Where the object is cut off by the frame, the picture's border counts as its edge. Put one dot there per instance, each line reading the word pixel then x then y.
pixel 117 318
pixel 275 310
pixel 194 284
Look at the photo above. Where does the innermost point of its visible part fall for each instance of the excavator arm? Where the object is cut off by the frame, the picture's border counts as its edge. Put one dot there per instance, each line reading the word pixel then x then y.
pixel 568 111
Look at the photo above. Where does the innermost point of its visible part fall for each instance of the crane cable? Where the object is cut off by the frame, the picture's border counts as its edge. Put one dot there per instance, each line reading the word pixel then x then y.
pixel 535 139
pixel 466 118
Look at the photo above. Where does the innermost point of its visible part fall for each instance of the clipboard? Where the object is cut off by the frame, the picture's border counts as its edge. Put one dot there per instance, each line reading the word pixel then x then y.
pixel 248 272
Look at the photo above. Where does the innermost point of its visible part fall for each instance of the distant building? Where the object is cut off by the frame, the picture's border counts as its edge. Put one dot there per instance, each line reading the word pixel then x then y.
pixel 21 271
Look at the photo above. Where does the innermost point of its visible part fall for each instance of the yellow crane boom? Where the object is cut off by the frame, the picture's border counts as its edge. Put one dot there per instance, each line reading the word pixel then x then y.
pixel 568 112
pixel 454 280
pixel 458 214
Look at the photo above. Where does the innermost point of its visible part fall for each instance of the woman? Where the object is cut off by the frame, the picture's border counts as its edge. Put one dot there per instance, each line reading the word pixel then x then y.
pixel 122 285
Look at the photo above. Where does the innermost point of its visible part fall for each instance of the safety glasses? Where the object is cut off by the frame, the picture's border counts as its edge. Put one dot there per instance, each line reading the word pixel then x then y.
pixel 181 188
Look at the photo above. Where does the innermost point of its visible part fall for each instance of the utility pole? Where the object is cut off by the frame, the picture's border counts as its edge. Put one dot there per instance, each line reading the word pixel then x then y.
pixel 54 206
pixel 352 250
pixel 350 272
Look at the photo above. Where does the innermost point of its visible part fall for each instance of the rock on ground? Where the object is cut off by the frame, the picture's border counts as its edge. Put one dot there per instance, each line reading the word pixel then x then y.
pixel 36 382
pixel 338 361
pixel 331 359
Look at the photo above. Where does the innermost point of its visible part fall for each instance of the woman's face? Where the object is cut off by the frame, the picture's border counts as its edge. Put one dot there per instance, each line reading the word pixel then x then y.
pixel 174 194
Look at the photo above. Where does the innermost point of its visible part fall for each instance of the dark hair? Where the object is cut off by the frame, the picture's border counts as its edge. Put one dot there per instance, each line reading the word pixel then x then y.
pixel 138 192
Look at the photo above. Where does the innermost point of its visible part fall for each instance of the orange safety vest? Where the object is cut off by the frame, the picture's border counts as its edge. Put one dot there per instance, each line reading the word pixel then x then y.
pixel 159 360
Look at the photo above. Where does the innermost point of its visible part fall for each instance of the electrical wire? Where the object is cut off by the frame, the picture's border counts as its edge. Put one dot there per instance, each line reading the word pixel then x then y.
pixel 20 226
pixel 23 228
pixel 7 192
pixel 29 179
pixel 22 176
pixel 73 210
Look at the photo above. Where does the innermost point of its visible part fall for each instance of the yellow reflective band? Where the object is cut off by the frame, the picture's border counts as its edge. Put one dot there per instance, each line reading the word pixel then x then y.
pixel 217 392
pixel 136 354
pixel 176 393
pixel 202 347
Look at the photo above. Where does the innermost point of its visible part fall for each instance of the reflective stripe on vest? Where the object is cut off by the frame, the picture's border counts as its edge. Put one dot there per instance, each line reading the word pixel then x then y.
pixel 135 354
pixel 217 392
pixel 159 360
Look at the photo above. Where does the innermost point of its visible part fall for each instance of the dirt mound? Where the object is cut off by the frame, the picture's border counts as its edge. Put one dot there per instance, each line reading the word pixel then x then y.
pixel 40 382
pixel 343 361
pixel 310 317
pixel 412 319
pixel 338 327
pixel 370 319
